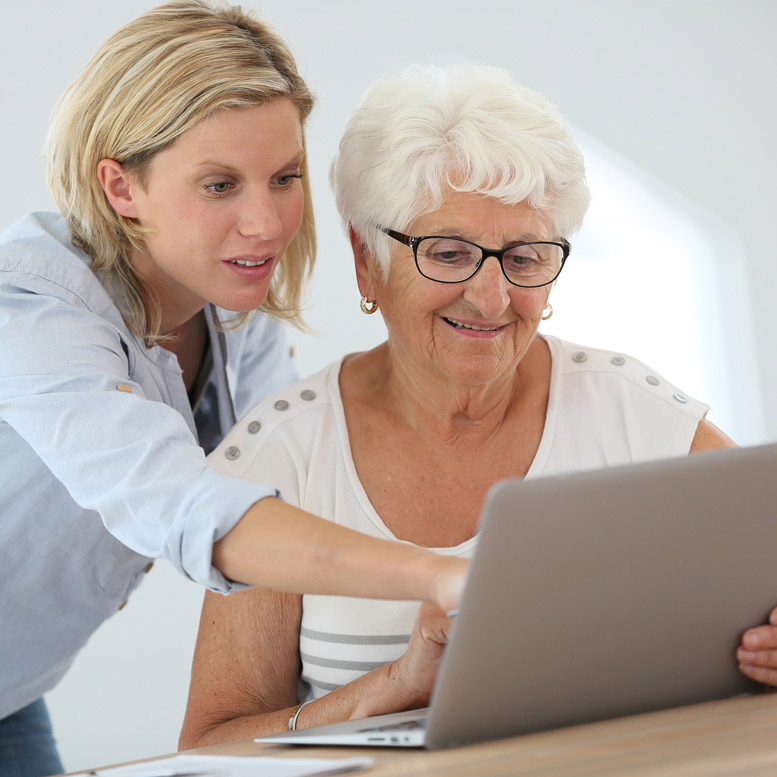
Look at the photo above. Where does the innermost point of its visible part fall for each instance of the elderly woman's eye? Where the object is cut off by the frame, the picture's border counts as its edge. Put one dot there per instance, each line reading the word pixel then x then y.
pixel 448 252
pixel 525 256
pixel 449 256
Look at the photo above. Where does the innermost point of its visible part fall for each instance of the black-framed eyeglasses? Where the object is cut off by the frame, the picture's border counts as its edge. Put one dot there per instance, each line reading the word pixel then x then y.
pixel 453 260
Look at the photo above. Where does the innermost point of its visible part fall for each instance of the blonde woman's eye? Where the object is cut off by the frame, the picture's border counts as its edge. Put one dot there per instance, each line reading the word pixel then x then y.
pixel 287 180
pixel 222 187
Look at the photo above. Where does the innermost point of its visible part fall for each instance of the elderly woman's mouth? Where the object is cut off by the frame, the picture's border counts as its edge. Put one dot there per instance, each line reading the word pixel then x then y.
pixel 473 327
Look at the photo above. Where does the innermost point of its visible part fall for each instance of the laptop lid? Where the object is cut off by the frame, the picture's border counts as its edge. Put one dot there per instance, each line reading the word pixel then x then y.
pixel 608 593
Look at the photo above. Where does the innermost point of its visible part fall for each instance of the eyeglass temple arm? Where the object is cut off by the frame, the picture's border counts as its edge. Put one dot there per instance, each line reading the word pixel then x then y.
pixel 405 239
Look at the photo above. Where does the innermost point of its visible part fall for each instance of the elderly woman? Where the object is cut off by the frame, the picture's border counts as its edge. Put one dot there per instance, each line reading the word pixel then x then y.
pixel 460 191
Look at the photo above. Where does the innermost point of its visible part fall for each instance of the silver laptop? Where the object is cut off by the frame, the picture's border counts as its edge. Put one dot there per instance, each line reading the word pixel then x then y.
pixel 597 595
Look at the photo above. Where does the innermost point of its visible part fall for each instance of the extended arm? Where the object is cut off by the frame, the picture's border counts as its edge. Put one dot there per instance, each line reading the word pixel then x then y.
pixel 280 546
pixel 105 420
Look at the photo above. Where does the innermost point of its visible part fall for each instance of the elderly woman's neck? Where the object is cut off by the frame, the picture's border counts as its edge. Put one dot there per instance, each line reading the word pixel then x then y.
pixel 449 410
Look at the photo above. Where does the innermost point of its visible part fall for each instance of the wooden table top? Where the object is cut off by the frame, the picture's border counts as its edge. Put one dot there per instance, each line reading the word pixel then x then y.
pixel 731 737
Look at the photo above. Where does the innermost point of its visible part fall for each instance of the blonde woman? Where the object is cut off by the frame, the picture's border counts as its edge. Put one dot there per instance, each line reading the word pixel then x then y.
pixel 130 343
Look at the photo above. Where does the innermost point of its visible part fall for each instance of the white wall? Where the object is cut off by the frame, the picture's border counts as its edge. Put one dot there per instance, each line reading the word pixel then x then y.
pixel 684 90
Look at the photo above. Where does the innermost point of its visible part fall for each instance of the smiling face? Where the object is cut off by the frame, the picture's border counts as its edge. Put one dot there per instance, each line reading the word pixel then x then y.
pixel 222 205
pixel 474 332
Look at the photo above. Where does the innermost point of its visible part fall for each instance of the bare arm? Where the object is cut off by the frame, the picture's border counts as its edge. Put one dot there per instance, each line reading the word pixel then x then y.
pixel 709 438
pixel 246 664
pixel 246 668
pixel 279 546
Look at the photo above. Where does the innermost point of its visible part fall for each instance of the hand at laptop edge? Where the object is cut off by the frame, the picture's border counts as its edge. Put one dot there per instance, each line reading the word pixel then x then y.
pixel 415 671
pixel 757 653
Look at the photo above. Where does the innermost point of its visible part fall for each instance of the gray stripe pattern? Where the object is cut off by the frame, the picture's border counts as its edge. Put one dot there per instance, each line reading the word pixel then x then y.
pixel 316 684
pixel 334 663
pixel 356 639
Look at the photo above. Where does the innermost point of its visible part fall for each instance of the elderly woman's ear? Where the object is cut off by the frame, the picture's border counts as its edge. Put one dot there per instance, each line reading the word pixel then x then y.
pixel 365 264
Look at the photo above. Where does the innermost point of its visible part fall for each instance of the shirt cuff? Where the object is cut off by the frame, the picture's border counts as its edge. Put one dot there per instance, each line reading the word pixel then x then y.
pixel 190 546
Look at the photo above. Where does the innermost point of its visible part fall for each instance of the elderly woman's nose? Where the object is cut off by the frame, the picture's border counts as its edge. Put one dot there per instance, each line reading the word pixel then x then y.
pixel 259 217
pixel 488 289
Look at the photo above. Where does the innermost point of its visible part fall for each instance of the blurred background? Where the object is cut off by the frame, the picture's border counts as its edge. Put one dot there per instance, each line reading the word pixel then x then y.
pixel 673 104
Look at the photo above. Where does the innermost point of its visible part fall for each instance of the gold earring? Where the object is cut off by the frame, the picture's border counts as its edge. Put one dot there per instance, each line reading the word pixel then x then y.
pixel 368 306
pixel 548 312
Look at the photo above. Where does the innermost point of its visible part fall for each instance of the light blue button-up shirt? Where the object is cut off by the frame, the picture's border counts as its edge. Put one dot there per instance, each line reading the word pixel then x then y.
pixel 101 466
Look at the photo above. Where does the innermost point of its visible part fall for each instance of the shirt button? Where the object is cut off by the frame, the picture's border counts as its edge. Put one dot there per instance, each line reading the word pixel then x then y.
pixel 618 361
pixel 232 452
pixel 254 427
pixel 124 387
pixel 308 395
pixel 281 404
pixel 579 357
pixel 652 380
pixel 680 397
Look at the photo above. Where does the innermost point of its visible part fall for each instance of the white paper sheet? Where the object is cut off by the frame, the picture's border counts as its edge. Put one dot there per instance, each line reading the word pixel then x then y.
pixel 233 766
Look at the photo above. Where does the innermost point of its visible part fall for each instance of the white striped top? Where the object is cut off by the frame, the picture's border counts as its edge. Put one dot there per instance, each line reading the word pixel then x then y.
pixel 604 409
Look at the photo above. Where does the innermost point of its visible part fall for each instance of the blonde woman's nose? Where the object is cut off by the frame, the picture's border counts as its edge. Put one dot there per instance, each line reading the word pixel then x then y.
pixel 259 217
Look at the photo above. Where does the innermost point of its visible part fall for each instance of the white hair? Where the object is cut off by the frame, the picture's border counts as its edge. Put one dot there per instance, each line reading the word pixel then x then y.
pixel 470 129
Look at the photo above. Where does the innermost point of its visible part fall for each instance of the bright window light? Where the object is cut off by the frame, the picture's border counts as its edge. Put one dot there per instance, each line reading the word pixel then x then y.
pixel 651 275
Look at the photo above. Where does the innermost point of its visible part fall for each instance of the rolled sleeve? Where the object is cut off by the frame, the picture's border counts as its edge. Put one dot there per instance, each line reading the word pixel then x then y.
pixel 110 420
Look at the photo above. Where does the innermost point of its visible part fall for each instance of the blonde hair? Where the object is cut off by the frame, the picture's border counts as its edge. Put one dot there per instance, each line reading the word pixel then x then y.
pixel 472 129
pixel 150 82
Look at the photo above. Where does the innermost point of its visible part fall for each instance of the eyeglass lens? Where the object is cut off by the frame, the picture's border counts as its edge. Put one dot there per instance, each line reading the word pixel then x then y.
pixel 451 260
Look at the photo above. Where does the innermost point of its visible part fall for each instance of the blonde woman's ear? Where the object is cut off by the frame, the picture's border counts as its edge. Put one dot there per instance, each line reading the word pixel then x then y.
pixel 116 184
